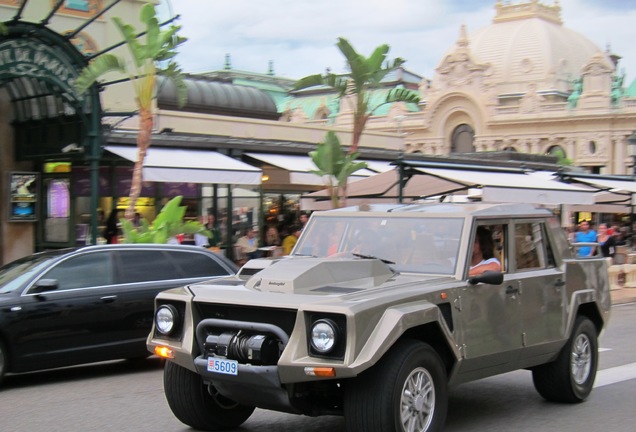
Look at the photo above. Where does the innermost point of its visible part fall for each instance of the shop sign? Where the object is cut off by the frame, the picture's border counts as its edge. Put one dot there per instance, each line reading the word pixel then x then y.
pixel 23 196
pixel 33 59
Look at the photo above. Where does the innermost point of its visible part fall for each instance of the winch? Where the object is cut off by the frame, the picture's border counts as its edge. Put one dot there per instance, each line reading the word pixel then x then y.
pixel 256 349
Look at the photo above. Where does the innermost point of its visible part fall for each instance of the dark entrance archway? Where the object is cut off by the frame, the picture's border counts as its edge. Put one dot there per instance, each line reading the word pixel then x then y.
pixel 37 70
pixel 462 140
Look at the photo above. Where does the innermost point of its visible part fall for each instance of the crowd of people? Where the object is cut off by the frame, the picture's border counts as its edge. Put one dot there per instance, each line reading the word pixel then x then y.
pixel 275 242
pixel 607 238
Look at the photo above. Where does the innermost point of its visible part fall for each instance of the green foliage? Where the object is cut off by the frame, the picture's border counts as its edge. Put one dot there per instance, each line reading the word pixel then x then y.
pixel 3 29
pixel 168 223
pixel 365 74
pixel 149 59
pixel 334 163
pixel 100 66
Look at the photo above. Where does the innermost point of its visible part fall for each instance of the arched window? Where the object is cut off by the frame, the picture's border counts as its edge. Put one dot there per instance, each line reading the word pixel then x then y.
pixel 557 151
pixel 462 139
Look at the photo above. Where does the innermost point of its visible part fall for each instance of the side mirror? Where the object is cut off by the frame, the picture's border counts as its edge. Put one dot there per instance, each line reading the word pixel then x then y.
pixel 45 285
pixel 489 277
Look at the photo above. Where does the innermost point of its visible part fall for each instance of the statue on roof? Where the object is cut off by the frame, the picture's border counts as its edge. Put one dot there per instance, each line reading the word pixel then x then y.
pixel 573 99
pixel 617 89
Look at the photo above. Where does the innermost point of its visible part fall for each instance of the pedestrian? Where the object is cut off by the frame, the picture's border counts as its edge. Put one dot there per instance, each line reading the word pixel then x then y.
pixel 606 242
pixel 290 241
pixel 585 235
pixel 248 244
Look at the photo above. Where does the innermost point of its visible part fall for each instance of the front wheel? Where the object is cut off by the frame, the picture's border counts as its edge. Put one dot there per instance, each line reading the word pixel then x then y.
pixel 405 392
pixel 571 376
pixel 198 405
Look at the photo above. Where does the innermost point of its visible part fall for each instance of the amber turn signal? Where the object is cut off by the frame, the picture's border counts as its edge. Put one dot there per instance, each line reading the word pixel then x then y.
pixel 320 371
pixel 164 352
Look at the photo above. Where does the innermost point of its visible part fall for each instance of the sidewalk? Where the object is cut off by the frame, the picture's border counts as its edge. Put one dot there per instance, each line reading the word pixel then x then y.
pixel 623 295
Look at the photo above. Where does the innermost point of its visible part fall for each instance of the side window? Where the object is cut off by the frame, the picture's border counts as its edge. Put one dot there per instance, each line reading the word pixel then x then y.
pixel 531 250
pixel 144 266
pixel 489 251
pixel 82 271
pixel 197 264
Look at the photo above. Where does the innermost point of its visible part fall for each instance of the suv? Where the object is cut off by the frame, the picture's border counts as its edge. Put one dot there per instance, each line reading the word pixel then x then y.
pixel 378 330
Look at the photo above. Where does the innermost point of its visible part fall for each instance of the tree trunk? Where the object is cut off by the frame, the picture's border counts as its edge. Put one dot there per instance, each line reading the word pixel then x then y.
pixel 143 143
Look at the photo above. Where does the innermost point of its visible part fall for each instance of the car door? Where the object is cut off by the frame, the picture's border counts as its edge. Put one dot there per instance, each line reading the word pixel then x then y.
pixel 541 289
pixel 144 273
pixel 489 320
pixel 70 324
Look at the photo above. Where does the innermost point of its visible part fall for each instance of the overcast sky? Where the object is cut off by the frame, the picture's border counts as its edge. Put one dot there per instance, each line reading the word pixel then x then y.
pixel 299 35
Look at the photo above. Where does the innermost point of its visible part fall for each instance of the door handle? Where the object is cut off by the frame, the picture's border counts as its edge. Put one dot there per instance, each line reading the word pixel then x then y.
pixel 108 299
pixel 559 283
pixel 511 290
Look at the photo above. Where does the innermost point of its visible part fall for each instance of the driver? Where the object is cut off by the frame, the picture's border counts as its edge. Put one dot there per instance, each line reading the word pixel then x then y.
pixel 483 258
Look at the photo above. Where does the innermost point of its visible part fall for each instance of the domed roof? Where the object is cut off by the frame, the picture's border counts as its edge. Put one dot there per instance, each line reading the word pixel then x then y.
pixel 527 43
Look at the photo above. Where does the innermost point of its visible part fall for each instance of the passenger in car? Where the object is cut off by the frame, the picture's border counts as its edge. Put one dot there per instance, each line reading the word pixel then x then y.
pixel 483 258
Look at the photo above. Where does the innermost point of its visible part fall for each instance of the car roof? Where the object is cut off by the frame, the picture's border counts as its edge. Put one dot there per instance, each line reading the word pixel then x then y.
pixel 59 253
pixel 446 210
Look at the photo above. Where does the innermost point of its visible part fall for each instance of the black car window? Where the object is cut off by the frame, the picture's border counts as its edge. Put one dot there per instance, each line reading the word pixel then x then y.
pixel 144 266
pixel 197 264
pixel 81 271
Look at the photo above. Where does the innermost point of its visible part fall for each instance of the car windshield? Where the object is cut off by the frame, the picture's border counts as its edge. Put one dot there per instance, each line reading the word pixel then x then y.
pixel 408 244
pixel 14 274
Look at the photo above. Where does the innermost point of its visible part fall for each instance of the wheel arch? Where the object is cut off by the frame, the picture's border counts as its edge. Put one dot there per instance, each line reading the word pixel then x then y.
pixel 421 321
pixel 591 311
pixel 431 333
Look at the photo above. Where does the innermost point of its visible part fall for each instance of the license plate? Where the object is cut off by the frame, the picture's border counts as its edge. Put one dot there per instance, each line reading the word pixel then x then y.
pixel 224 366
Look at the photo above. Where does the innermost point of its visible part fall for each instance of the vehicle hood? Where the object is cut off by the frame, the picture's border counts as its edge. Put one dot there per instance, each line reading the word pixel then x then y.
pixel 296 280
pixel 304 275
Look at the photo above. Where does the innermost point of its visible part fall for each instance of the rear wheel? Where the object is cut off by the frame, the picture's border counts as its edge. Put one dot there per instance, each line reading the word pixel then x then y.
pixel 198 405
pixel 405 392
pixel 571 376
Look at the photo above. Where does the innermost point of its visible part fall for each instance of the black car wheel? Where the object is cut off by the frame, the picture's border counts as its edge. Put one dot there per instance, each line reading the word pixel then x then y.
pixel 571 376
pixel 405 392
pixel 198 405
pixel 4 361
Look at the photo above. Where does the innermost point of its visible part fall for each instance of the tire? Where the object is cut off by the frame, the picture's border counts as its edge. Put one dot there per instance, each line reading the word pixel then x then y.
pixel 194 405
pixel 4 361
pixel 406 391
pixel 569 379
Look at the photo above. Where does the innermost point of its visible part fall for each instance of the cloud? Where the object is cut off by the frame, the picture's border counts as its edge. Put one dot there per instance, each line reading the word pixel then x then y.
pixel 299 36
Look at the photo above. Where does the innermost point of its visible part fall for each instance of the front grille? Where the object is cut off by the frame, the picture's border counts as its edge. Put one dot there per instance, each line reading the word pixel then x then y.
pixel 283 318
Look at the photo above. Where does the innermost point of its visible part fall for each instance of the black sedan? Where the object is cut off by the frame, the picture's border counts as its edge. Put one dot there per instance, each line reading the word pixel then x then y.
pixel 88 304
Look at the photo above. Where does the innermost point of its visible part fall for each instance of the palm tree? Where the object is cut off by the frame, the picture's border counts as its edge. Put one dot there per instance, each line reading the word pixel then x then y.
pixel 365 75
pixel 148 61
pixel 335 164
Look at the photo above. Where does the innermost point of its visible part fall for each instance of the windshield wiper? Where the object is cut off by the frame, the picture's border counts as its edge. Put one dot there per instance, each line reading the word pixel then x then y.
pixel 372 257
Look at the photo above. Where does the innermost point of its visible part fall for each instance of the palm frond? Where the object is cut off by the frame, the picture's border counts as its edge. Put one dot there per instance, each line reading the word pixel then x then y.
pixel 310 81
pixel 137 51
pixel 97 68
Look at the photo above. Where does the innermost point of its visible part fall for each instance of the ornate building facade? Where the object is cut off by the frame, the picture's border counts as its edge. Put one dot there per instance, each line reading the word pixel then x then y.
pixel 525 83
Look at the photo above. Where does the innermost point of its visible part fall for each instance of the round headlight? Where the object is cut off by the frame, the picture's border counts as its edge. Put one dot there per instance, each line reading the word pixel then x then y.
pixel 323 336
pixel 165 319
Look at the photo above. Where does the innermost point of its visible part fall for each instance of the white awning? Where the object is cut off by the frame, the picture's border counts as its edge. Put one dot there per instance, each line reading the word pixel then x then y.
pixel 530 187
pixel 175 165
pixel 495 186
pixel 299 168
pixel 611 185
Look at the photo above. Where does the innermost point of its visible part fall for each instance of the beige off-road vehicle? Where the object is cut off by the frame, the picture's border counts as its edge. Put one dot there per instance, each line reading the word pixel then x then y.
pixel 375 314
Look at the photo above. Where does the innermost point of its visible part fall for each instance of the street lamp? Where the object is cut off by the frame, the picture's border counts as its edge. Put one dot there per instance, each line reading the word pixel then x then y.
pixel 631 148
